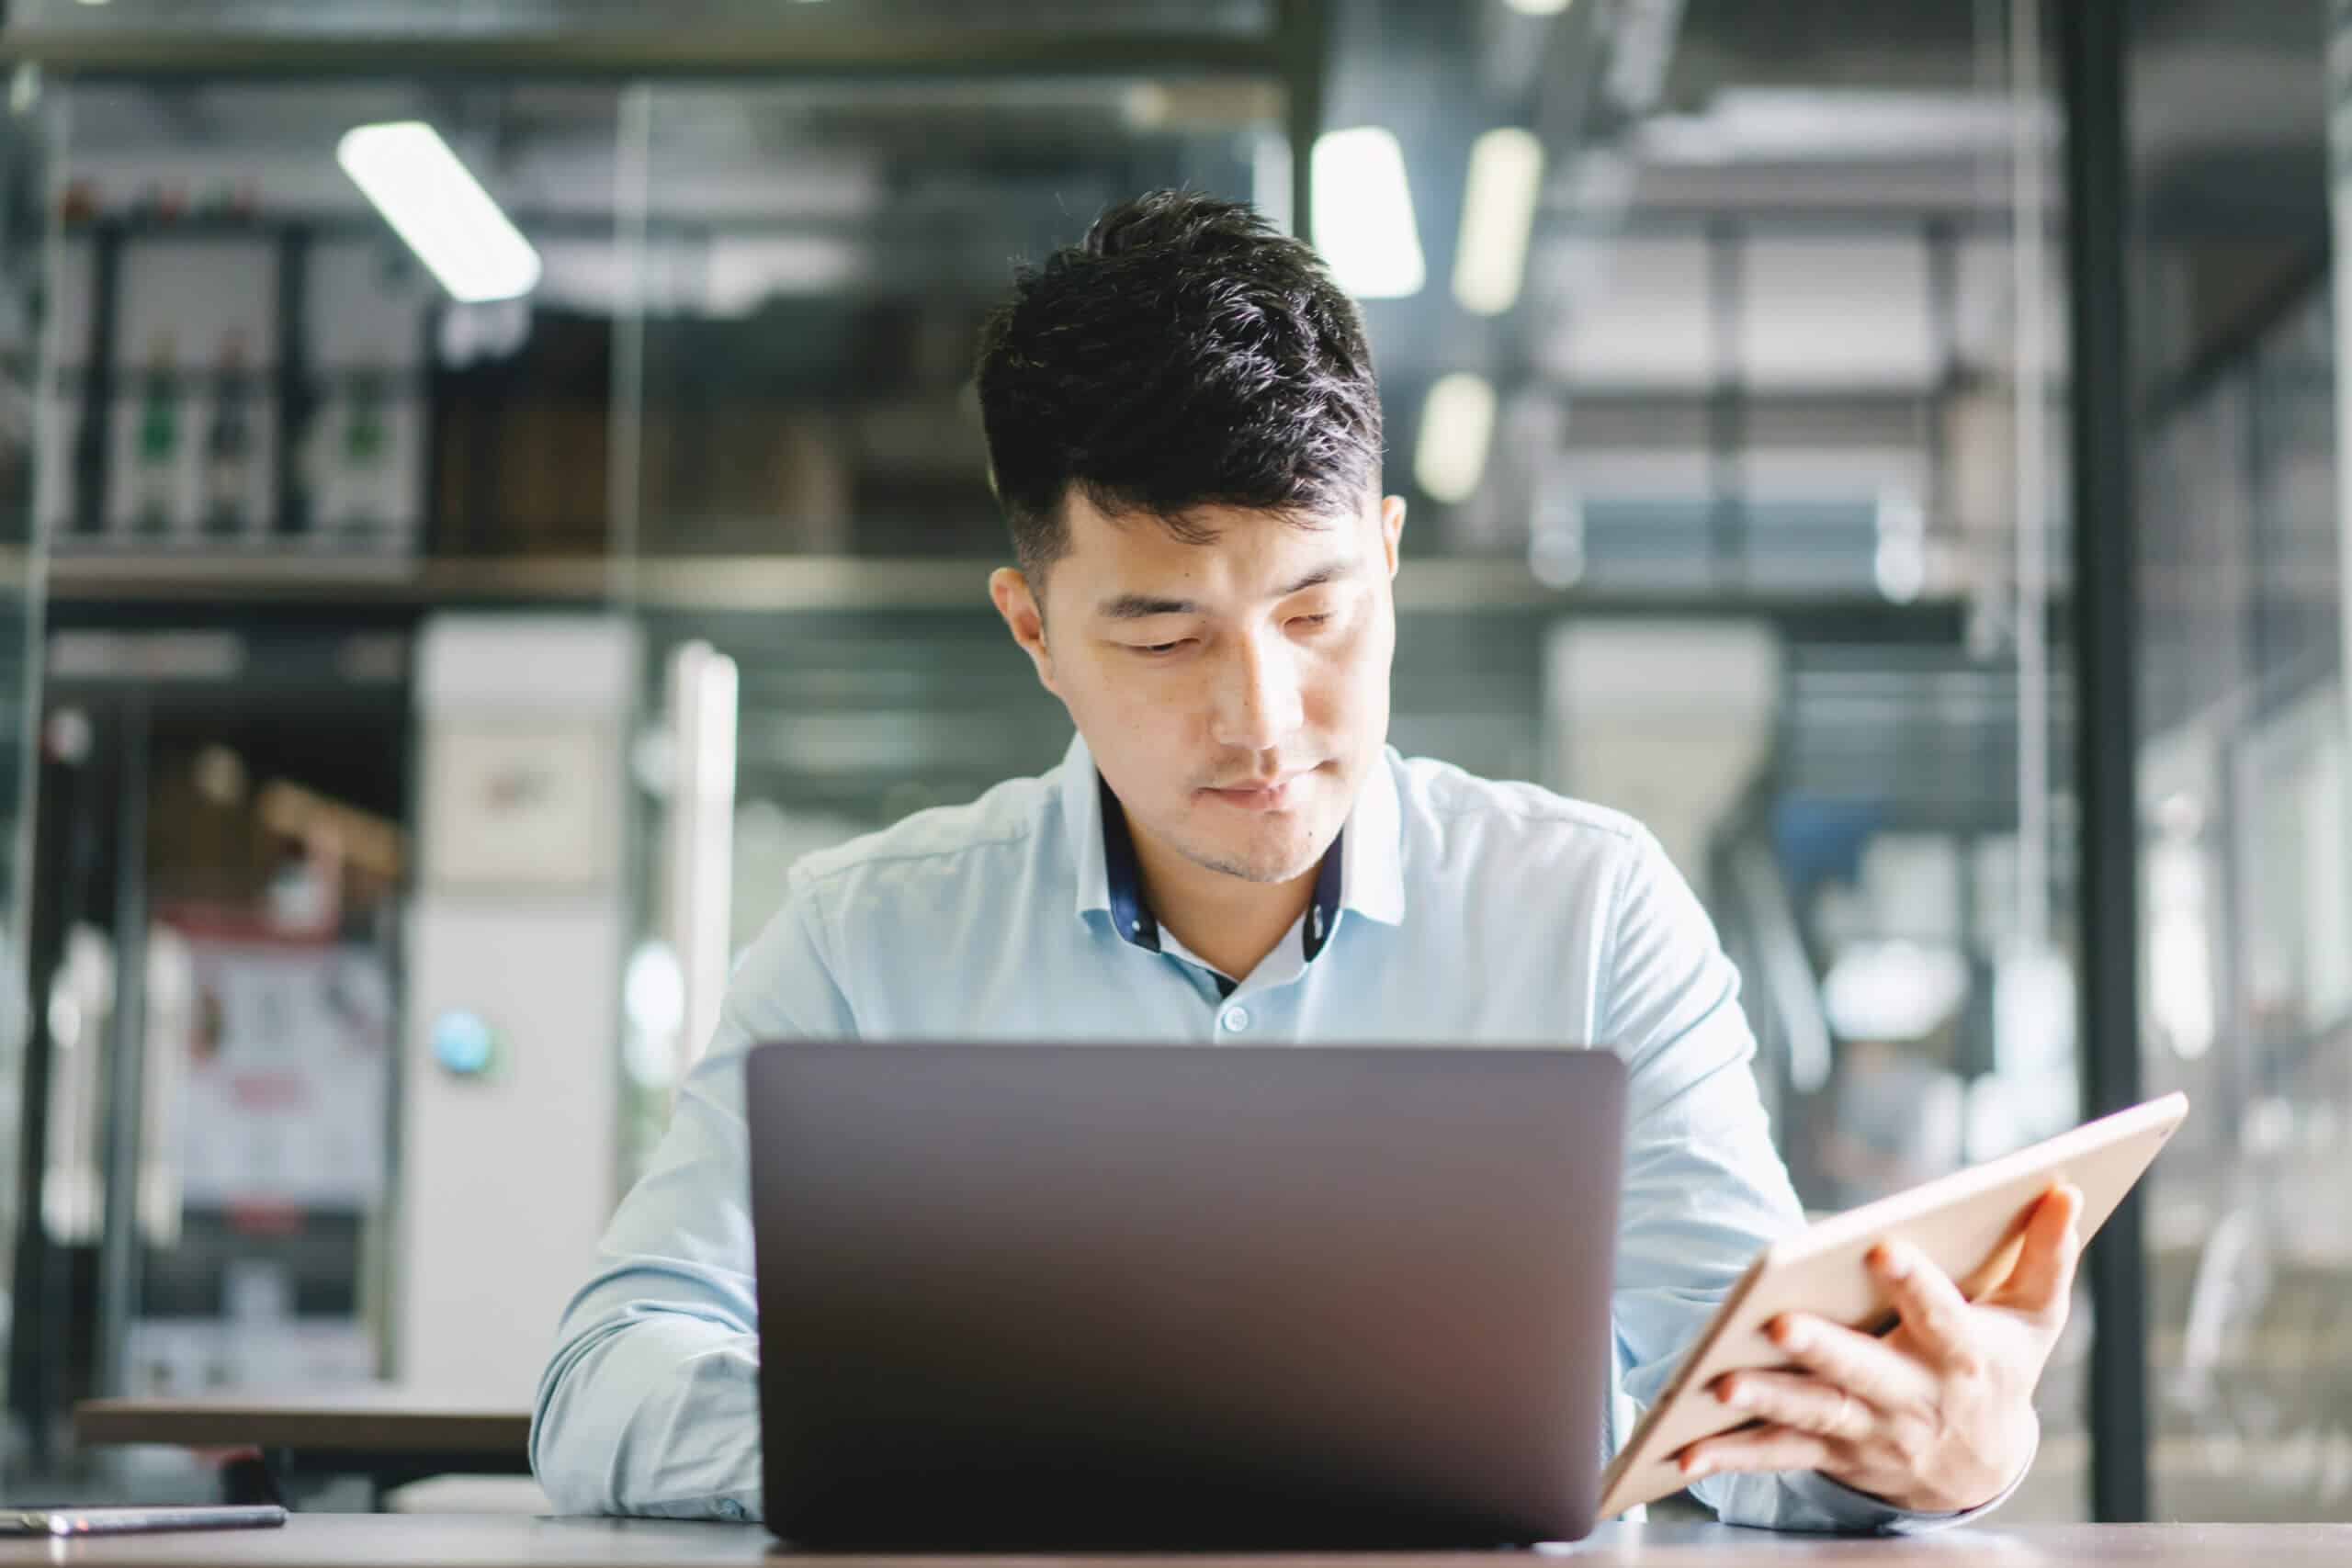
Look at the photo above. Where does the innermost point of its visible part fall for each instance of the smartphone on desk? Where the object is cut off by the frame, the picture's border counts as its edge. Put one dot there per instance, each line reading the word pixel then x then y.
pixel 134 1521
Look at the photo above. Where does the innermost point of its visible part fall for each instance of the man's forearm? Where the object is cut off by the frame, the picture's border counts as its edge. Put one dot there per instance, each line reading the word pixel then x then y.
pixel 651 1412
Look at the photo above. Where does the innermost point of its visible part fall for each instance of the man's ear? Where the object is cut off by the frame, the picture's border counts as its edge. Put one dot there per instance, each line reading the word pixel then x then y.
pixel 1014 602
pixel 1392 527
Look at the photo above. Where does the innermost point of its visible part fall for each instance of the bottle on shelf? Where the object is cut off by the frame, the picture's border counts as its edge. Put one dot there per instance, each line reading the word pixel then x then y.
pixel 157 470
pixel 361 450
pixel 228 446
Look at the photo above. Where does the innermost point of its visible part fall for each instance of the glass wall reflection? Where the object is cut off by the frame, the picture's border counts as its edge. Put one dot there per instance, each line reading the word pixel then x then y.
pixel 2244 868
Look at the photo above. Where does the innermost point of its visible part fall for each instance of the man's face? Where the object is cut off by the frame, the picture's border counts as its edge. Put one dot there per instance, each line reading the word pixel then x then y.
pixel 1235 692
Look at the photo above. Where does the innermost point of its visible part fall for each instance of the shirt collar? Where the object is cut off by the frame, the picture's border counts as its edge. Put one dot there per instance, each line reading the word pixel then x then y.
pixel 1371 854
pixel 1081 793
pixel 1363 873
pixel 1131 917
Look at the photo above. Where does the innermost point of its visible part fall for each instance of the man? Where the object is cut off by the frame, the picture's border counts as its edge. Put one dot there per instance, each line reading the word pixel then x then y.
pixel 1184 432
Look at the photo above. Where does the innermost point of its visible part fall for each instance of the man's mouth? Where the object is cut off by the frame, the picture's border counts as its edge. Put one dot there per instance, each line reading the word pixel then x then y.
pixel 1260 794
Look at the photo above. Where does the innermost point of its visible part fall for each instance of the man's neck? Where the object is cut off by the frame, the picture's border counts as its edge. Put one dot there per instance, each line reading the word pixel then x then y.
pixel 1230 923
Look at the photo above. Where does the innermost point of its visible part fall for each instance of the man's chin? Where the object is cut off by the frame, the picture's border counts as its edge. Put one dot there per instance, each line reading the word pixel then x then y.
pixel 1265 873
pixel 1263 862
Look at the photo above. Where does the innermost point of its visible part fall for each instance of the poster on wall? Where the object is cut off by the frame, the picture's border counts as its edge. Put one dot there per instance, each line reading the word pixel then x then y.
pixel 288 1074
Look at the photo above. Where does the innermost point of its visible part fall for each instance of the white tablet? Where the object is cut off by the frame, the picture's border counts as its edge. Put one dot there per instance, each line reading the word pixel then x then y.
pixel 1970 1224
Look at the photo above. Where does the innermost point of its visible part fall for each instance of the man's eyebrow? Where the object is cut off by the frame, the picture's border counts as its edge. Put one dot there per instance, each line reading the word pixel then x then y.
pixel 1141 606
pixel 1331 570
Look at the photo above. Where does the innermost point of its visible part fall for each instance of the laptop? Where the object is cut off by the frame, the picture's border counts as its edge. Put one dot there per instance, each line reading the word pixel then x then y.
pixel 1121 1297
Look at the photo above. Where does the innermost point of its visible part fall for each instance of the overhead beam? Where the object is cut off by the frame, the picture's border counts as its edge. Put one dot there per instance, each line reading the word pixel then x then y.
pixel 833 52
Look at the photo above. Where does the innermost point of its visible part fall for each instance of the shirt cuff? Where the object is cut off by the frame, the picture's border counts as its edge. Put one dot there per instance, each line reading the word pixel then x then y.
pixel 1859 1511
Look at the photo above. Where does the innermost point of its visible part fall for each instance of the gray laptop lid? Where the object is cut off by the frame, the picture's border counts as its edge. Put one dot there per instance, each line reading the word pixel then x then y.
pixel 1055 1297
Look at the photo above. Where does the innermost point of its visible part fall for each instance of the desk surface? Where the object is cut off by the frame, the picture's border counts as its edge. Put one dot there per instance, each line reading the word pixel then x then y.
pixel 454 1540
pixel 383 1418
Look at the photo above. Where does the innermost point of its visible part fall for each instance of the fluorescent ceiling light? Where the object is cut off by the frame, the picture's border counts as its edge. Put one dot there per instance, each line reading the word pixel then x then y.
pixel 434 203
pixel 1840 125
pixel 1538 7
pixel 1457 424
pixel 1498 211
pixel 1364 214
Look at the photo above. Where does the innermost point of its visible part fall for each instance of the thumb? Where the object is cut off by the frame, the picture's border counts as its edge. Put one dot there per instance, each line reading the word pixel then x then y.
pixel 2044 1277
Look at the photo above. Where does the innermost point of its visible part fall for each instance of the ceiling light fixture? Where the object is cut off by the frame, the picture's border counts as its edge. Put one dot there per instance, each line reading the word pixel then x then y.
pixel 1364 214
pixel 1457 425
pixel 1498 213
pixel 433 201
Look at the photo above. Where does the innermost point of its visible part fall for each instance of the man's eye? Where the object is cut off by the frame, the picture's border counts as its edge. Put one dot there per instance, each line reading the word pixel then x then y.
pixel 1160 650
pixel 1310 623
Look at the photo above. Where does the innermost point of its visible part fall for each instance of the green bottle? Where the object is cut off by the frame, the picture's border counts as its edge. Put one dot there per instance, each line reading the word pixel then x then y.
pixel 159 438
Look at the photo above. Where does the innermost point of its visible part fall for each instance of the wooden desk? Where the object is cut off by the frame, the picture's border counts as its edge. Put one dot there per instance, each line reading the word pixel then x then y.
pixel 371 1541
pixel 389 1434
pixel 368 1419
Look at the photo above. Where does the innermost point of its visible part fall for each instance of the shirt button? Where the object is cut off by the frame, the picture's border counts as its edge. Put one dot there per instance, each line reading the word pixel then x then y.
pixel 1235 1020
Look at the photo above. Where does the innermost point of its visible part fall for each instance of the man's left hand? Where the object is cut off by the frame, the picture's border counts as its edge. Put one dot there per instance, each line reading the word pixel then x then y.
pixel 1938 1415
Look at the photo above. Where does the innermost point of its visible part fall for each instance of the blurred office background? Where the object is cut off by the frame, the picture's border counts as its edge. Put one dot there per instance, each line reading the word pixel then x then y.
pixel 417 675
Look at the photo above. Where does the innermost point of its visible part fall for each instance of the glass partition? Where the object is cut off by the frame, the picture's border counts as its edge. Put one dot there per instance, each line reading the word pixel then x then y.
pixel 2245 871
pixel 30 139
pixel 257 421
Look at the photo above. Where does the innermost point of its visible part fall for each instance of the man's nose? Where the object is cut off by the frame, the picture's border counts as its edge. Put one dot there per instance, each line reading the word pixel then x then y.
pixel 1258 703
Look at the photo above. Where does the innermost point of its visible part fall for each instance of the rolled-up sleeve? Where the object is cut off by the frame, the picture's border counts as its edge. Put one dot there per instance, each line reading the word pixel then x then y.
pixel 1705 1189
pixel 650 1402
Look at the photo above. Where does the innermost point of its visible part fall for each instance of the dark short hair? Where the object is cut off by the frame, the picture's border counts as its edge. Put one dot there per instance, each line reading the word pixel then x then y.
pixel 1184 353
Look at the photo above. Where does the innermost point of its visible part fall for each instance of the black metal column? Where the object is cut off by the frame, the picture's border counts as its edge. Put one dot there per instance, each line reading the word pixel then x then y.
pixel 2092 38
pixel 298 397
pixel 93 438
pixel 1306 51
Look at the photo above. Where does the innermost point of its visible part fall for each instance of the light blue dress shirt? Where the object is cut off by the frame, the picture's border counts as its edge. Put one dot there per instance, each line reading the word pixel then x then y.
pixel 1461 911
